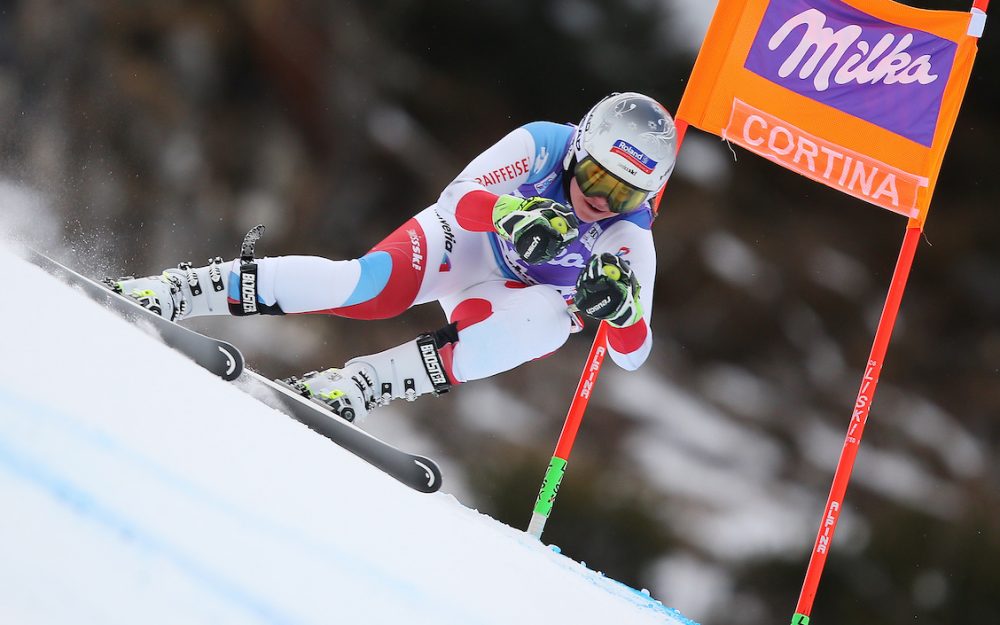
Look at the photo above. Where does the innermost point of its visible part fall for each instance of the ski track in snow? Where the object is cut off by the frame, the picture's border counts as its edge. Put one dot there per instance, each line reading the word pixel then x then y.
pixel 138 488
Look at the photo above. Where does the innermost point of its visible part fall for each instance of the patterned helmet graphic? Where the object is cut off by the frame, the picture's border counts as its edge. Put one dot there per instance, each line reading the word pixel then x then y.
pixel 631 136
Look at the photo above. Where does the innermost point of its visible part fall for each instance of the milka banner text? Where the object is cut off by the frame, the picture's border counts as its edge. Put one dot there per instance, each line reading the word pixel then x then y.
pixel 858 95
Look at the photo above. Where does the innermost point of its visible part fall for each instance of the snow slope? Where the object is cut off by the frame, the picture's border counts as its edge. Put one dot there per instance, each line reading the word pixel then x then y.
pixel 136 488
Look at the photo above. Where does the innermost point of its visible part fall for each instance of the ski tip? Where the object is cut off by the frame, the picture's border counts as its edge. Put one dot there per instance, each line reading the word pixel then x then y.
pixel 432 474
pixel 234 361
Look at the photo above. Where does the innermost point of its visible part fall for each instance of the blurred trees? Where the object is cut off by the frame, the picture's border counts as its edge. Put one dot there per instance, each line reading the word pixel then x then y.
pixel 161 131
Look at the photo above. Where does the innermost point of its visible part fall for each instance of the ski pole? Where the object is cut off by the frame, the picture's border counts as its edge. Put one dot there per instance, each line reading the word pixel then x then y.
pixel 557 466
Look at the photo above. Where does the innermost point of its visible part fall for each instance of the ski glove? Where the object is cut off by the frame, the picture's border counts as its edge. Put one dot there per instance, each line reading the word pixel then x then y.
pixel 539 228
pixel 607 289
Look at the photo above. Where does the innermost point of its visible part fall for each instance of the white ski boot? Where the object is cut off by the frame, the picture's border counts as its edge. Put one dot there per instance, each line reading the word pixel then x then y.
pixel 404 372
pixel 178 293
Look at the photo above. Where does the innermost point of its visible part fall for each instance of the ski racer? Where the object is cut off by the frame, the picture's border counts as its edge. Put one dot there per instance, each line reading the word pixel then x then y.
pixel 551 221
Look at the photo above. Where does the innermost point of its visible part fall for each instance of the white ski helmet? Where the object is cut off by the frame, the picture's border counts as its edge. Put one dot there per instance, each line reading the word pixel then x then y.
pixel 631 137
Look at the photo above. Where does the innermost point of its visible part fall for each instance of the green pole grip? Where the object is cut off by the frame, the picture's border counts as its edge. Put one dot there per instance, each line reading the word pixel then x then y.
pixel 546 496
pixel 550 486
pixel 800 619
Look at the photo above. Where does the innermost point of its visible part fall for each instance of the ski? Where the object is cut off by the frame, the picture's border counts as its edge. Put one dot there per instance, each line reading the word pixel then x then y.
pixel 418 472
pixel 226 361
pixel 219 357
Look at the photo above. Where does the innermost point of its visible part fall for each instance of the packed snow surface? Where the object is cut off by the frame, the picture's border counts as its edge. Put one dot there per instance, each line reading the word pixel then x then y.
pixel 138 488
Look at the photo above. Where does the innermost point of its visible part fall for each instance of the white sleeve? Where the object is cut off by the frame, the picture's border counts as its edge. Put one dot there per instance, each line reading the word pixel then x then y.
pixel 629 347
pixel 500 170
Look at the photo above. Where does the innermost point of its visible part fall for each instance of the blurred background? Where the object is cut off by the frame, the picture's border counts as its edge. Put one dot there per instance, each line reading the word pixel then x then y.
pixel 146 133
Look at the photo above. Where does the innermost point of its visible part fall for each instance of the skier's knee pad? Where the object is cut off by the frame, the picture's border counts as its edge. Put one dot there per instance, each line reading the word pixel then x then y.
pixel 546 320
pixel 525 324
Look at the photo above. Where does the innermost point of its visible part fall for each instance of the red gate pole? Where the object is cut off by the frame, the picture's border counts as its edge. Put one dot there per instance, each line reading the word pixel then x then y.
pixel 862 405
pixel 557 466
pixel 834 503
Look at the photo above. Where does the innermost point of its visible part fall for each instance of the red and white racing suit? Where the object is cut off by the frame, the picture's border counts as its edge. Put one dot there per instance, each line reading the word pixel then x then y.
pixel 507 312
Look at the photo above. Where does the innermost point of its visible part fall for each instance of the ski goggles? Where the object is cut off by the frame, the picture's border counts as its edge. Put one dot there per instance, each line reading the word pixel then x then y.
pixel 595 181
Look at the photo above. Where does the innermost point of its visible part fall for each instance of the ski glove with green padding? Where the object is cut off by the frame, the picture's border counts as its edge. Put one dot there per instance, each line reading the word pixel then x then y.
pixel 539 228
pixel 607 289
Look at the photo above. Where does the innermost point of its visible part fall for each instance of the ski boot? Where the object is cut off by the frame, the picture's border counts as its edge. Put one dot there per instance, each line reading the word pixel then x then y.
pixel 178 293
pixel 366 382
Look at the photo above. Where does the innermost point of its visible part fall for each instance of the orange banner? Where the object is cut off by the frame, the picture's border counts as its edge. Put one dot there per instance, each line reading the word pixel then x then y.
pixel 860 95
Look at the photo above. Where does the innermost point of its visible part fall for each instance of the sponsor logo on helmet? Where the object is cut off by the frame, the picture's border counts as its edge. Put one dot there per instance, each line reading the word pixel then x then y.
pixel 633 155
